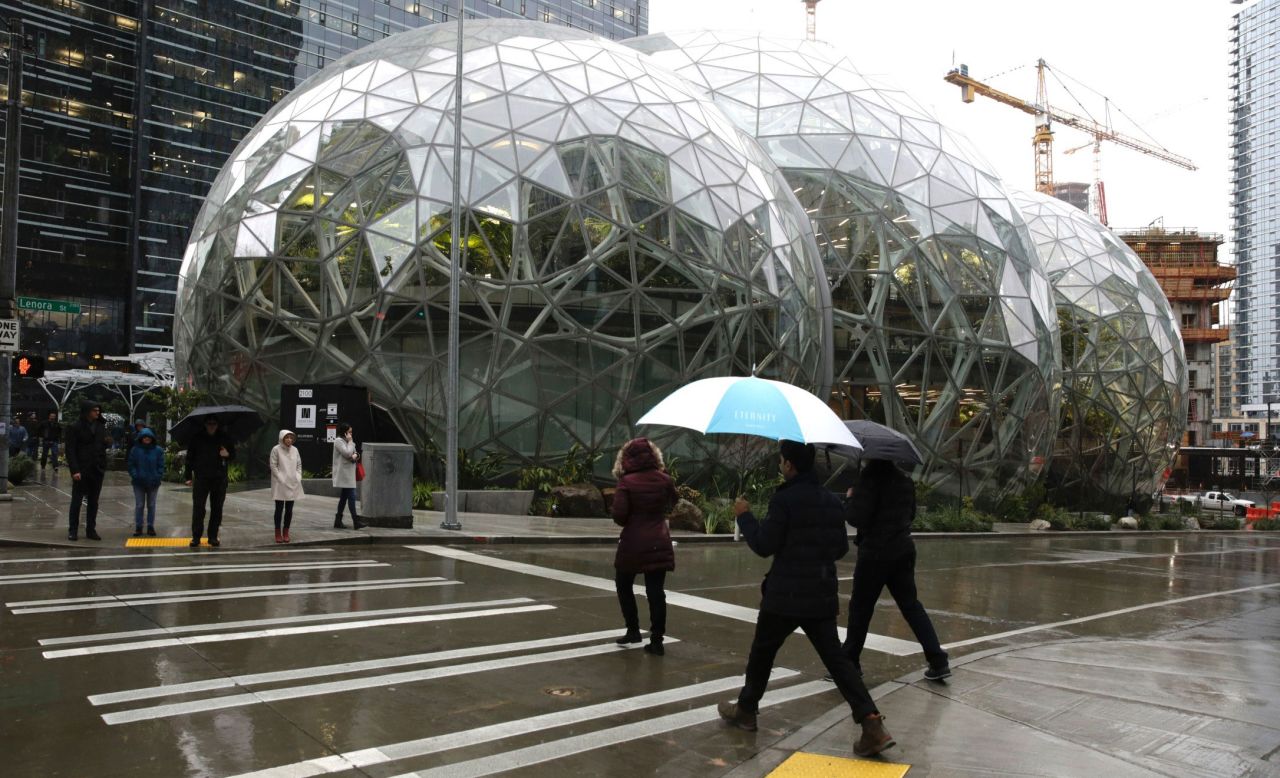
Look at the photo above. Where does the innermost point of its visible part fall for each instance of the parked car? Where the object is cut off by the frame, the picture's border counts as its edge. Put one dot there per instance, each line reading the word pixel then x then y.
pixel 1215 500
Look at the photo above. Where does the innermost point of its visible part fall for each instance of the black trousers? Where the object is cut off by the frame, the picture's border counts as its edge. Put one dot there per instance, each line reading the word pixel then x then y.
pixel 215 491
pixel 870 577
pixel 85 490
pixel 772 630
pixel 654 590
pixel 284 507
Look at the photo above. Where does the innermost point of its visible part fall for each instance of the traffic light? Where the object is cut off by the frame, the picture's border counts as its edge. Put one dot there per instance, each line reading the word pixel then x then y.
pixel 28 366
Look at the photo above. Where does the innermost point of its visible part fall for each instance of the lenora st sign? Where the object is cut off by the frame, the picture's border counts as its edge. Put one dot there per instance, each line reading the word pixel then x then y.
pixel 51 306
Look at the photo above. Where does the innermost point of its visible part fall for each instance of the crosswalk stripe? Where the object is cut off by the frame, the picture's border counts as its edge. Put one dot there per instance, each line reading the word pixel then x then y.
pixel 884 643
pixel 228 682
pixel 111 648
pixel 577 744
pixel 232 593
pixel 353 684
pixel 370 757
pixel 141 572
pixel 149 555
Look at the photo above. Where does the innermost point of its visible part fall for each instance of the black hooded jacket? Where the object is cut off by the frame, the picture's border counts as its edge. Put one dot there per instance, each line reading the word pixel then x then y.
pixel 203 460
pixel 882 508
pixel 804 533
pixel 86 444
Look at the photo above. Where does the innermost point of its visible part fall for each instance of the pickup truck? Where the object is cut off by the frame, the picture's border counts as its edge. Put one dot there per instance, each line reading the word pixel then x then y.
pixel 1213 500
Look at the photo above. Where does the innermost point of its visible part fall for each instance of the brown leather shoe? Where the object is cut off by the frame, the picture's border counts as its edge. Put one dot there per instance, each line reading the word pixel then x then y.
pixel 875 738
pixel 742 719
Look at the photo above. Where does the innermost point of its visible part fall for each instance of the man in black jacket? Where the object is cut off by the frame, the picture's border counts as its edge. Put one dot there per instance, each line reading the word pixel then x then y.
pixel 87 460
pixel 50 432
pixel 882 508
pixel 804 533
pixel 206 474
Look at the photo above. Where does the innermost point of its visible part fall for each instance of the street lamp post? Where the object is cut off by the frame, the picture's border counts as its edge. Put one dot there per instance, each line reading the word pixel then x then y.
pixel 455 282
pixel 9 226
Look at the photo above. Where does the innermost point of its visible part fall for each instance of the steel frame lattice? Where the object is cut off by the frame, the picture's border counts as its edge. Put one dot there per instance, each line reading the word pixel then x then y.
pixel 943 321
pixel 1124 367
pixel 622 238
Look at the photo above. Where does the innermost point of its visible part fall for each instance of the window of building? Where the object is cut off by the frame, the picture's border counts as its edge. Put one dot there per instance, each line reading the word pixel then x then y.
pixel 1191 411
pixel 1191 379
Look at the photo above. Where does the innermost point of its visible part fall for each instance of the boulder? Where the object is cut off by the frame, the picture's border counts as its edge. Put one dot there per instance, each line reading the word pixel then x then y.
pixel 607 493
pixel 1127 522
pixel 1038 525
pixel 1190 522
pixel 686 516
pixel 578 501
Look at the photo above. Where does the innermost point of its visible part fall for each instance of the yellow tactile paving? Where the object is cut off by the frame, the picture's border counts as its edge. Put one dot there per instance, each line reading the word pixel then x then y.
pixel 156 542
pixel 801 765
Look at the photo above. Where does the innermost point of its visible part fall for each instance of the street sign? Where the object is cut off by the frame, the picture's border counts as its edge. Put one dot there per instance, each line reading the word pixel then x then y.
pixel 8 334
pixel 51 306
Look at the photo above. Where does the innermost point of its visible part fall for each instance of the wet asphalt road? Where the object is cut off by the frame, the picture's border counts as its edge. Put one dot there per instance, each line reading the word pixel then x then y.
pixel 385 660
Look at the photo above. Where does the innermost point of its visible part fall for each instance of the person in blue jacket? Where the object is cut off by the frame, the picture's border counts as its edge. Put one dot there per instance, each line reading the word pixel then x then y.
pixel 146 470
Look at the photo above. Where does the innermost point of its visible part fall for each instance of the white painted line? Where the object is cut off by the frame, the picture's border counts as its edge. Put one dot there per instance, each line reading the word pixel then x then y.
pixel 228 682
pixel 216 625
pixel 1105 557
pixel 112 648
pixel 143 553
pixel 93 575
pixel 369 757
pixel 883 643
pixel 1106 615
pixel 354 684
pixel 206 592
pixel 559 749
pixel 198 596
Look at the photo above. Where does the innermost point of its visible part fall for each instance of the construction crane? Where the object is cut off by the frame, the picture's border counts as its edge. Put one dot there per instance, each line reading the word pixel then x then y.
pixel 811 18
pixel 1043 138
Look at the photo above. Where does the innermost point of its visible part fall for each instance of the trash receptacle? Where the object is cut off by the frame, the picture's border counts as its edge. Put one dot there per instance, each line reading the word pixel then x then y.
pixel 386 493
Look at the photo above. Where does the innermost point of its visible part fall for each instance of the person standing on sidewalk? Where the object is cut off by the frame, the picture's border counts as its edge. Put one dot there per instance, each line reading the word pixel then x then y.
pixel 804 533
pixel 882 508
pixel 644 495
pixel 146 471
pixel 286 482
pixel 50 433
pixel 345 456
pixel 33 438
pixel 206 474
pixel 87 461
pixel 17 437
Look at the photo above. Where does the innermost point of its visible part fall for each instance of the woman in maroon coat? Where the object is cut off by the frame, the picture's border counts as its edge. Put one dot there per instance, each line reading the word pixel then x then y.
pixel 644 496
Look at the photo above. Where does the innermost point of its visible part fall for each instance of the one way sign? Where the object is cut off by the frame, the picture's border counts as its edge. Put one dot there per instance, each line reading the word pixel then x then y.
pixel 8 334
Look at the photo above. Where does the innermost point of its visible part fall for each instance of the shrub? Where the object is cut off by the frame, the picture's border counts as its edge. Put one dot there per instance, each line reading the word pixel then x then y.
pixel 1219 522
pixel 1267 525
pixel 21 467
pixel 1062 519
pixel 969 519
pixel 717 516
pixel 235 472
pixel 422 494
pixel 1156 521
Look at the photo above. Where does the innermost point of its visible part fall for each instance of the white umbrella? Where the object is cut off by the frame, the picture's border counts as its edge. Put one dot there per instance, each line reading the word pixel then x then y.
pixel 751 406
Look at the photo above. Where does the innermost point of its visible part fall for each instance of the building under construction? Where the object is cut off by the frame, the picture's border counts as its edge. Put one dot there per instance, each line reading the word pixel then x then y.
pixel 1185 262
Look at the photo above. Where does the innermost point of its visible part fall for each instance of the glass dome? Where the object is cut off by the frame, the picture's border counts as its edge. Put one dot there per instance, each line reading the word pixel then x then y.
pixel 622 237
pixel 943 322
pixel 1124 368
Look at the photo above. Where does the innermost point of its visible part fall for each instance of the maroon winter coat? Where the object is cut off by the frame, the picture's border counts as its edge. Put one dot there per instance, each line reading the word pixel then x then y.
pixel 645 494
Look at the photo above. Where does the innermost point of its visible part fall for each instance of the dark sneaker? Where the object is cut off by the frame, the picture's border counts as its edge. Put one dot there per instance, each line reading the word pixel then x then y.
pixel 91 535
pixel 655 647
pixel 151 531
pixel 195 543
pixel 215 542
pixel 72 536
pixel 742 719
pixel 937 673
pixel 137 532
pixel 632 636
pixel 875 738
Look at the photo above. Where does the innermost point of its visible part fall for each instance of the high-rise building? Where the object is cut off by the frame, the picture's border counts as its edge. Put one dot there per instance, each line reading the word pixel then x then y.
pixel 1074 192
pixel 133 106
pixel 1255 203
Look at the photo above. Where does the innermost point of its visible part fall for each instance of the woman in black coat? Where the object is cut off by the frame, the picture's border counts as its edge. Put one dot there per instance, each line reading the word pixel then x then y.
pixel 644 495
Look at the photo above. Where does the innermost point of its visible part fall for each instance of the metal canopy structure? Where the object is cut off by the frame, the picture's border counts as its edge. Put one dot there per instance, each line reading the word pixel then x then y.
pixel 130 387
pixel 155 363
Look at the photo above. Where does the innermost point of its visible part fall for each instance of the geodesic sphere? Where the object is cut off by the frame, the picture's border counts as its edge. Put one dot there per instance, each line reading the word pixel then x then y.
pixel 621 238
pixel 1124 370
pixel 943 320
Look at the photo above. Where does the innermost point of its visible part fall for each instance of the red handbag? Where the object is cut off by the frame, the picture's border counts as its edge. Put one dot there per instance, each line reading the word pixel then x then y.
pixel 359 471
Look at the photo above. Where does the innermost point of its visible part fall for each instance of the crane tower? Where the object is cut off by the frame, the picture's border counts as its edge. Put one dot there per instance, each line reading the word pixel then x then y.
pixel 811 18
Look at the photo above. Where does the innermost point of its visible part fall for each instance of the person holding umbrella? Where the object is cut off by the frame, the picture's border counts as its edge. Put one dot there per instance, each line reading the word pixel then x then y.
pixel 206 473
pixel 882 508
pixel 804 533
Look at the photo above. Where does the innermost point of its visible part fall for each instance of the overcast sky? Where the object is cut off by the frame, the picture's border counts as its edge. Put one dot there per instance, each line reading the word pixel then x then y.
pixel 1165 64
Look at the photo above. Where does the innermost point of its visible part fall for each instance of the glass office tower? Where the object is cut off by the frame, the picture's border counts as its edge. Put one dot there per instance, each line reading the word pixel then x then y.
pixel 134 106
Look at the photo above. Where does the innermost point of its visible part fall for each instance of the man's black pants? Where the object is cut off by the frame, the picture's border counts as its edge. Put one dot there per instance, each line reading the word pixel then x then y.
pixel 870 576
pixel 772 631
pixel 85 490
pixel 215 490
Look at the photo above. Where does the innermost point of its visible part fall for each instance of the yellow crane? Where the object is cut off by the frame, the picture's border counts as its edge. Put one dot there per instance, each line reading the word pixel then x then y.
pixel 1043 138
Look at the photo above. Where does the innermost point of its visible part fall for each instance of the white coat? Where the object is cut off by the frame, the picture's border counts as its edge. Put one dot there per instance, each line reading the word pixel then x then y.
pixel 286 471
pixel 344 465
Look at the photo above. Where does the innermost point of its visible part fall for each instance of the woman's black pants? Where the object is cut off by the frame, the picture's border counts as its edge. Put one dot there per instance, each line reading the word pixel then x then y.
pixel 653 590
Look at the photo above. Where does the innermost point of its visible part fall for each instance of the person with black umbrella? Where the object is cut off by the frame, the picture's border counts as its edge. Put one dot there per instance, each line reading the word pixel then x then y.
pixel 87 461
pixel 206 473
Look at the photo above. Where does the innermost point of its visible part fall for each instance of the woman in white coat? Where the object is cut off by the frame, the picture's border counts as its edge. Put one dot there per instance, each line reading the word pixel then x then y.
pixel 286 482
pixel 345 457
